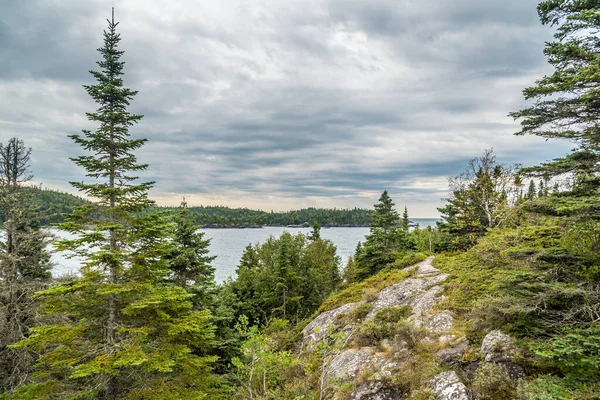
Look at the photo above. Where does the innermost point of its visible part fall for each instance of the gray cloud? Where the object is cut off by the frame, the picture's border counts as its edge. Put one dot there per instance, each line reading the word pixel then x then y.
pixel 283 104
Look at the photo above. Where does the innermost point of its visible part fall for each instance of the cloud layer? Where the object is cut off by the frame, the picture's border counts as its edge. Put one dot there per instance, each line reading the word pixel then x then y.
pixel 277 104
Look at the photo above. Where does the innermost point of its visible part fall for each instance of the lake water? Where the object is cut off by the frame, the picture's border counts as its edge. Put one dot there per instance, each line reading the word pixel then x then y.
pixel 228 245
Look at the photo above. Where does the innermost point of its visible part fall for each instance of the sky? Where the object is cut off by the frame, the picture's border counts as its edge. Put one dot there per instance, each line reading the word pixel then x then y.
pixel 282 104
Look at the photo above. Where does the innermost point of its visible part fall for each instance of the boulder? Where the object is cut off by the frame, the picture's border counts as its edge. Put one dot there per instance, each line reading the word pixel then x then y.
pixel 453 355
pixel 318 328
pixel 497 347
pixel 376 390
pixel 441 322
pixel 346 365
pixel 447 386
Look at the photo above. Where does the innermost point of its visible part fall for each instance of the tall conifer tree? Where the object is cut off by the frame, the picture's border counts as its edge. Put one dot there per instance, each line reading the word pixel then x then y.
pixel 567 102
pixel 125 332
pixel 405 220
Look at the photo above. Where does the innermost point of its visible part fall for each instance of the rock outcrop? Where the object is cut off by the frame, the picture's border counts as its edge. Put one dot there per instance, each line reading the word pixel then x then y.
pixel 377 390
pixel 347 365
pixel 422 292
pixel 447 386
pixel 319 328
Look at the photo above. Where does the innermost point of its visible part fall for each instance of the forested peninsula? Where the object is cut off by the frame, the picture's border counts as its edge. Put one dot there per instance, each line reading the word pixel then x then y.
pixel 500 301
pixel 53 206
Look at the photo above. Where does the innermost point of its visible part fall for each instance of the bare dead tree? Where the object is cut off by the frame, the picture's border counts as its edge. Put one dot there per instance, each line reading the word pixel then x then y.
pixel 14 163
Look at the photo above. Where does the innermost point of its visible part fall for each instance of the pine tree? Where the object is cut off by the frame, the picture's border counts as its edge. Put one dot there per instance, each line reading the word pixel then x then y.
pixel 189 259
pixel 125 333
pixel 531 193
pixel 541 189
pixel 24 263
pixel 405 220
pixel 385 238
pixel 567 102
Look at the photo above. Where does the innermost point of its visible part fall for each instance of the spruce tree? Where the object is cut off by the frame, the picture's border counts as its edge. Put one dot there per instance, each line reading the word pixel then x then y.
pixel 124 331
pixel 405 220
pixel 24 263
pixel 189 259
pixel 386 237
pixel 567 102
pixel 531 193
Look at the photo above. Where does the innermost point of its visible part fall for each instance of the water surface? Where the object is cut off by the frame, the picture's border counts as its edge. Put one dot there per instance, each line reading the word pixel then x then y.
pixel 228 245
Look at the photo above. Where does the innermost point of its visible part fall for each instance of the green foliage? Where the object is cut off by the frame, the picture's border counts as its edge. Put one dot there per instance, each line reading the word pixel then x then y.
pixel 481 198
pixel 288 277
pixel 535 281
pixel 385 239
pixel 429 240
pixel 389 323
pixel 263 370
pixel 229 217
pixel 544 388
pixel 575 352
pixel 405 220
pixel 357 314
pixel 565 102
pixel 492 382
pixel 121 330
pixel 189 259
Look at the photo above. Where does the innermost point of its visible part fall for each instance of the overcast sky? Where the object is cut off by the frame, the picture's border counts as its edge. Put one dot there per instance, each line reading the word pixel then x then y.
pixel 282 104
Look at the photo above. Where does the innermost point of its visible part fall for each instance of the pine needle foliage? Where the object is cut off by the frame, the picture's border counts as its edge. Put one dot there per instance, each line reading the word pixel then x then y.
pixel 125 332
pixel 567 102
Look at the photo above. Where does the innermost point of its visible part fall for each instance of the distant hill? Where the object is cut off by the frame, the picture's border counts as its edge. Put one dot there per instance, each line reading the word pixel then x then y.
pixel 54 205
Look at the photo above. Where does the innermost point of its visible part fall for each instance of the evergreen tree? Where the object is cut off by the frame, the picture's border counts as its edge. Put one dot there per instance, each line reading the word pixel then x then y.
pixel 405 220
pixel 24 263
pixel 316 232
pixel 566 103
pixel 531 193
pixel 386 237
pixel 288 277
pixel 541 189
pixel 124 332
pixel 189 259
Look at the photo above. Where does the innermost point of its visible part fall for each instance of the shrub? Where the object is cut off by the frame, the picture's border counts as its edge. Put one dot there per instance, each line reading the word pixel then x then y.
pixel 492 382
pixel 544 388
pixel 393 314
pixel 360 312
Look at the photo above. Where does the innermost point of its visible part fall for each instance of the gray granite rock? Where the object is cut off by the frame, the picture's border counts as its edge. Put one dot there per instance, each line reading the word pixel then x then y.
pixel 447 386
pixel 497 347
pixel 318 328
pixel 418 293
pixel 425 268
pixel 441 322
pixel 453 354
pixel 346 365
pixel 376 390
